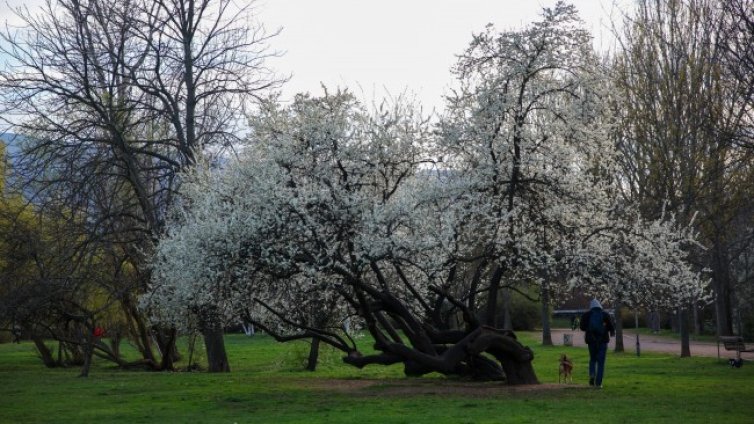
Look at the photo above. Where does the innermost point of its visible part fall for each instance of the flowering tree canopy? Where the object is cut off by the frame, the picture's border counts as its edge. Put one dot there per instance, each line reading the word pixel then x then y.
pixel 370 214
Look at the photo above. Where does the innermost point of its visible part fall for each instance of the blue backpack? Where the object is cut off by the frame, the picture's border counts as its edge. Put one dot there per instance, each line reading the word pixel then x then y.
pixel 596 325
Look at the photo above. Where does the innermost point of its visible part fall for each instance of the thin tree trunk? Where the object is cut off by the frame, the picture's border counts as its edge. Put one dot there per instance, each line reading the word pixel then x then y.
pixel 115 340
pixel 683 324
pixel 248 328
pixel 722 310
pixel 697 320
pixel 311 364
pixel 191 346
pixel 655 321
pixel 139 330
pixel 88 353
pixel 674 325
pixel 721 285
pixel 44 352
pixel 636 328
pixel 546 333
pixel 619 328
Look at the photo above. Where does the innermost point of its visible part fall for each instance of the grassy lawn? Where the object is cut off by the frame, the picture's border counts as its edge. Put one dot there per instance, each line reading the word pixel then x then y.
pixel 708 338
pixel 267 386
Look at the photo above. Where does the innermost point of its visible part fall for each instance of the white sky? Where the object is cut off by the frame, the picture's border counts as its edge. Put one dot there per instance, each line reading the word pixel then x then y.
pixel 391 46
pixel 376 47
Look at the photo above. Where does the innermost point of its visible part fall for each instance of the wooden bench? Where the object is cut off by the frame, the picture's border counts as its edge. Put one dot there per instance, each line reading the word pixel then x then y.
pixel 733 343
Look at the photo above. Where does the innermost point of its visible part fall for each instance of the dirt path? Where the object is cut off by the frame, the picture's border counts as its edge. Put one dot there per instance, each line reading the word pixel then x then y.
pixel 651 343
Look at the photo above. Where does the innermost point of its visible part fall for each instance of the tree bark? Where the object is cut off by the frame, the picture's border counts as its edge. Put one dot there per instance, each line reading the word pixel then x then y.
pixel 721 284
pixel 519 372
pixel 722 306
pixel 697 319
pixel 514 358
pixel 683 324
pixel 138 329
pixel 463 358
pixel 166 339
pixel 88 354
pixel 546 334
pixel 492 295
pixel 311 364
pixel 44 352
pixel 674 324
pixel 214 342
pixel 507 320
pixel 115 339
pixel 618 328
pixel 655 321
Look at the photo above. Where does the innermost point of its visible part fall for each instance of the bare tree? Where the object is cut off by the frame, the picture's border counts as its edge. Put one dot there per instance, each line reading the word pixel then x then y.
pixel 737 41
pixel 119 98
pixel 679 115
pixel 52 286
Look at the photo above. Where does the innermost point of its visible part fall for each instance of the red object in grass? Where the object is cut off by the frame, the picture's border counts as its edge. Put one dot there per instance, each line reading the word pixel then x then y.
pixel 98 332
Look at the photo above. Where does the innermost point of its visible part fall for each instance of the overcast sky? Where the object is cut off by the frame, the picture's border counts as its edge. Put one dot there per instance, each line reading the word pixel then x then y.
pixel 394 45
pixel 387 46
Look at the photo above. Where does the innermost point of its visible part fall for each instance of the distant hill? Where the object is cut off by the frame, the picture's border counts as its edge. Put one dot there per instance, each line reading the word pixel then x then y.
pixel 12 143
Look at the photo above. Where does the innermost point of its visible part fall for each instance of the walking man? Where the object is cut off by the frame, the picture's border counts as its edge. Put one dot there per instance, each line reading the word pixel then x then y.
pixel 597 327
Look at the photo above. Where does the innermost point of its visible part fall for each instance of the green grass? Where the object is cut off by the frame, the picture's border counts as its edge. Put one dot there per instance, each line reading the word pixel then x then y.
pixel 266 385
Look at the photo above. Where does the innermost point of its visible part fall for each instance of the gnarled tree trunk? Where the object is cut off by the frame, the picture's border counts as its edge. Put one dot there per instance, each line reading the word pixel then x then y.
pixel 478 351
pixel 452 352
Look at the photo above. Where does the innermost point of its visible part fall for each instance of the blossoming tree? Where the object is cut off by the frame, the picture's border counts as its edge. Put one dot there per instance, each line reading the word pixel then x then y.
pixel 340 210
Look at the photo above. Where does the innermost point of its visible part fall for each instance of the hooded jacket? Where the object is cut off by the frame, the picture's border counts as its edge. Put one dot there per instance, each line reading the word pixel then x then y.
pixel 595 307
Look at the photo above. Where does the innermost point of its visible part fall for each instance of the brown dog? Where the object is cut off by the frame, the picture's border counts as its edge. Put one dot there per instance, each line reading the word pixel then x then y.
pixel 565 369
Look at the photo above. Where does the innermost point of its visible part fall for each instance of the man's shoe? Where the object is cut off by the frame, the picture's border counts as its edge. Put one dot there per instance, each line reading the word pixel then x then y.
pixel 591 381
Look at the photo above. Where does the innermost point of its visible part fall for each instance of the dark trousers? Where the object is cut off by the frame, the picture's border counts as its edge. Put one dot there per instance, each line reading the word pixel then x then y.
pixel 597 353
